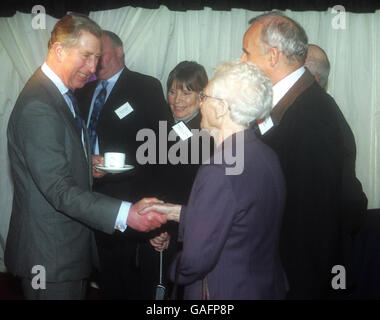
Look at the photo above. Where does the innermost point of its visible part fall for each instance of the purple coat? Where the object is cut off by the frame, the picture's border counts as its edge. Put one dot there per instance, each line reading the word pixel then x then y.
pixel 230 227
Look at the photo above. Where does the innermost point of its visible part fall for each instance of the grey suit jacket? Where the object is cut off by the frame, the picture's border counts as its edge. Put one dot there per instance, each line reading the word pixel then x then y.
pixel 53 208
pixel 231 227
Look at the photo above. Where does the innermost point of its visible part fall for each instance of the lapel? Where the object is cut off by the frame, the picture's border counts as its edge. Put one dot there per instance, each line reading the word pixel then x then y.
pixel 57 102
pixel 89 155
pixel 304 82
pixel 85 98
pixel 120 89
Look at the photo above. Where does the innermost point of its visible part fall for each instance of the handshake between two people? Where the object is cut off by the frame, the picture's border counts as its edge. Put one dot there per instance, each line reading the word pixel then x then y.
pixel 149 214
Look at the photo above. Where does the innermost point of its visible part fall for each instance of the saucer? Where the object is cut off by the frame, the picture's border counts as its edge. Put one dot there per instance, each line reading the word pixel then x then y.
pixel 115 170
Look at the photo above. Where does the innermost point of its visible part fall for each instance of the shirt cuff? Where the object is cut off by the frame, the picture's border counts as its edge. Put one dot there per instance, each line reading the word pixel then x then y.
pixel 122 216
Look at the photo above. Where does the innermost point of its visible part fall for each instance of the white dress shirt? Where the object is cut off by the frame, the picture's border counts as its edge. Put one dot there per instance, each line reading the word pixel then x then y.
pixel 284 85
pixel 279 91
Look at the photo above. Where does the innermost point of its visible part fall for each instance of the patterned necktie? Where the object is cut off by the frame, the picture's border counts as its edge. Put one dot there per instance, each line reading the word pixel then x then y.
pixel 98 104
pixel 74 102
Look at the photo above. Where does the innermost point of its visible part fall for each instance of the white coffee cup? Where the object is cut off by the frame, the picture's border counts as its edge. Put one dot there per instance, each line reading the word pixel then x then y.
pixel 114 159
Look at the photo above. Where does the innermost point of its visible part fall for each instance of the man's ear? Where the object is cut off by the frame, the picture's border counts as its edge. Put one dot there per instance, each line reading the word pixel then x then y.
pixel 274 56
pixel 59 51
pixel 119 51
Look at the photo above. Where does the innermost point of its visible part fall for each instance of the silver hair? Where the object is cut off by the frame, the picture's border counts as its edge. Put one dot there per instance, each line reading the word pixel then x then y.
pixel 283 33
pixel 247 90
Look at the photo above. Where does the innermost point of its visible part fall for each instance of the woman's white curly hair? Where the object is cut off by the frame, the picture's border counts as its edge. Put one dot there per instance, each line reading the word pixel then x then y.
pixel 246 88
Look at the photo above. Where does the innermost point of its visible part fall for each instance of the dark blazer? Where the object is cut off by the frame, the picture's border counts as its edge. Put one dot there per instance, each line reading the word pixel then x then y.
pixel 122 273
pixel 231 225
pixel 308 140
pixel 179 178
pixel 144 94
pixel 53 208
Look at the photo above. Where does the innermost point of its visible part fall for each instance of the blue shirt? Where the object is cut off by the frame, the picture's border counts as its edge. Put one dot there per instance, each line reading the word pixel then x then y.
pixel 110 84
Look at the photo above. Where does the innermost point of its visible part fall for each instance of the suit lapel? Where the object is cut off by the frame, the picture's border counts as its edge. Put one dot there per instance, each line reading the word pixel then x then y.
pixel 114 97
pixel 89 155
pixel 305 81
pixel 86 98
pixel 59 103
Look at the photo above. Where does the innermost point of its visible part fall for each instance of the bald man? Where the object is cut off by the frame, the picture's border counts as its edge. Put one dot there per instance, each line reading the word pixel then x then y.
pixel 354 200
pixel 318 64
pixel 303 129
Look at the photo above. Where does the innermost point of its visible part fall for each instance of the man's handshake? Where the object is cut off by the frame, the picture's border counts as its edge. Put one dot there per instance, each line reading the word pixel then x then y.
pixel 169 210
pixel 150 213
pixel 155 208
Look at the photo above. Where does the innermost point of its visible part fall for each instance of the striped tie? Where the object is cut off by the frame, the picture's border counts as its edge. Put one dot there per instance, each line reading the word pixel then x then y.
pixel 74 102
pixel 98 104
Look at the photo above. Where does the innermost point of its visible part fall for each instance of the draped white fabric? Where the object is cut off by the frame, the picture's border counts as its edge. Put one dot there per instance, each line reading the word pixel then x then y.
pixel 155 40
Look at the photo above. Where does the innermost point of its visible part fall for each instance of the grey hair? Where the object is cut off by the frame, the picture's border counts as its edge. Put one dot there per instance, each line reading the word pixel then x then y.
pixel 318 64
pixel 283 33
pixel 115 39
pixel 247 90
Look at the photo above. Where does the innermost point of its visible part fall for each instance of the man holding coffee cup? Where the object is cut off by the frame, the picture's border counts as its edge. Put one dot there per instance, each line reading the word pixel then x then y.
pixel 117 107
pixel 54 210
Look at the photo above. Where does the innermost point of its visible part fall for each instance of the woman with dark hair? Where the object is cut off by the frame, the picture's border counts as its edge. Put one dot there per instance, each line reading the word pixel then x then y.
pixel 184 84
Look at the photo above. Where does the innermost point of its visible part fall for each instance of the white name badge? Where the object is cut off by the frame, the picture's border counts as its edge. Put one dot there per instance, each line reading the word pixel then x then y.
pixel 124 110
pixel 183 132
pixel 265 125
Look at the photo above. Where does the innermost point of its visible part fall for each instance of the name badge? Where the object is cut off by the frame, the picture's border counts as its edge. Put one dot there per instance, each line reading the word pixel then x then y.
pixel 182 130
pixel 265 125
pixel 124 110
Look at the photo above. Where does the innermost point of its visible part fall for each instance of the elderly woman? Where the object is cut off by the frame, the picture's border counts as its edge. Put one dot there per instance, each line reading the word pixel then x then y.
pixel 231 225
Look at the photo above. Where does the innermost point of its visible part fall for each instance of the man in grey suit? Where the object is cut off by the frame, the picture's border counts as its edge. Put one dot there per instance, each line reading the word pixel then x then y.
pixel 53 208
pixel 132 102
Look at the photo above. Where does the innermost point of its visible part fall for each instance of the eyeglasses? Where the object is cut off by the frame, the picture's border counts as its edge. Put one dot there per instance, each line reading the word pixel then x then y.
pixel 203 97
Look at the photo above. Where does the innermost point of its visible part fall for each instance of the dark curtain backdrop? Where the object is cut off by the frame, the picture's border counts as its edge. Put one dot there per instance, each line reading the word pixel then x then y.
pixel 58 9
